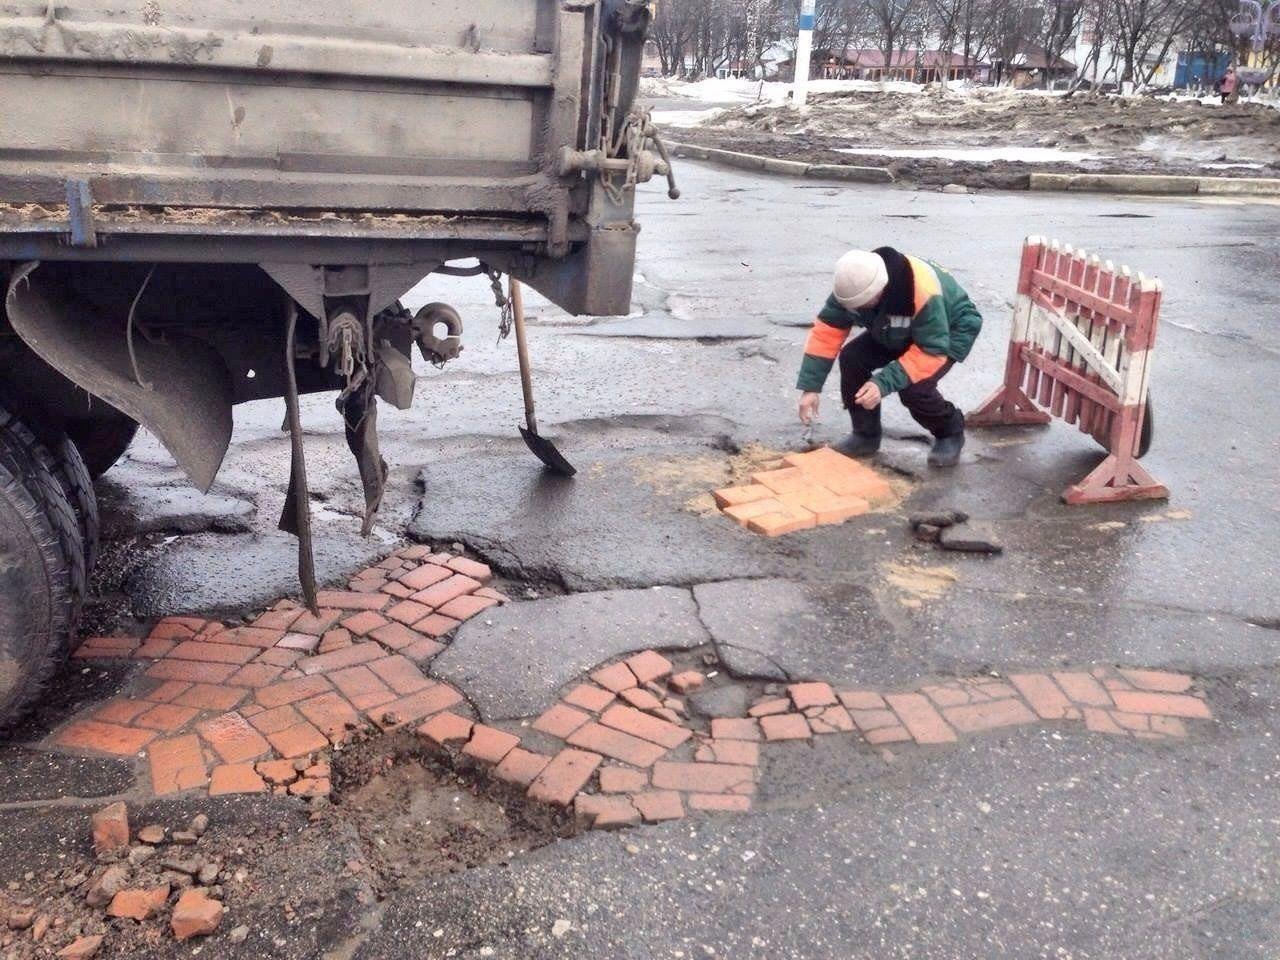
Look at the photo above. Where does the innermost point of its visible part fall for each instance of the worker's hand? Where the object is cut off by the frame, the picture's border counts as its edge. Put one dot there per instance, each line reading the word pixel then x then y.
pixel 809 407
pixel 868 396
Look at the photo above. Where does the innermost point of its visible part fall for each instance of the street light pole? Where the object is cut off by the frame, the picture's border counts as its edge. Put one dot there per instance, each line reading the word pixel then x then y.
pixel 804 53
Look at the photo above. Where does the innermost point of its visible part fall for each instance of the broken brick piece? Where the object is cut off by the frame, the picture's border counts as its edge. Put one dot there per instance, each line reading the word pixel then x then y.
pixel 139 905
pixel 562 778
pixel 446 590
pixel 445 728
pixel 277 771
pixel 427 575
pixel 465 607
pixel 742 752
pixel 471 568
pixel 298 740
pixel 615 677
pixel 649 665
pixel 642 725
pixel 805 695
pixel 176 765
pixel 436 625
pixel 364 622
pixel 560 720
pixel 606 813
pixel 521 767
pixel 617 744
pixel 623 780
pixel 104 737
pixel 687 681
pixel 656 806
pixel 771 706
pixel 785 726
pixel 489 745
pixel 349 600
pixel 110 828
pixel 234 740
pixel 228 778
pixel 726 728
pixel 719 803
pixel 920 718
pixel 166 717
pixel 702 777
pixel 195 915
pixel 589 697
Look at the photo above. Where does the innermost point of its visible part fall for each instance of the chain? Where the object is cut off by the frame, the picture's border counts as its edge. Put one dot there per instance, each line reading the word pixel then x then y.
pixel 507 315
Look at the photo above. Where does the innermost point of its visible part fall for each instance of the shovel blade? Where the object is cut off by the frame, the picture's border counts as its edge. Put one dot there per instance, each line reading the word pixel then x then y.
pixel 546 451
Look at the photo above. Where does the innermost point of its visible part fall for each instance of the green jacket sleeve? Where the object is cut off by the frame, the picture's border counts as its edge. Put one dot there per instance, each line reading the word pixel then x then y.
pixel 825 340
pixel 930 343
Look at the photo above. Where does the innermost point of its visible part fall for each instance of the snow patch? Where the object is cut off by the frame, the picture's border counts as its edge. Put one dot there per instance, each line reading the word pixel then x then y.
pixel 980 154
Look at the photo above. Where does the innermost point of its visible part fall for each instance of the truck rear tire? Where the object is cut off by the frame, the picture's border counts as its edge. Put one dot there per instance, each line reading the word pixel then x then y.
pixel 77 486
pixel 37 592
pixel 102 442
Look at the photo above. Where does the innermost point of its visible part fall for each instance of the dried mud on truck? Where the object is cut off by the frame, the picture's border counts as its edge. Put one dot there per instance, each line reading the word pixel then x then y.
pixel 209 203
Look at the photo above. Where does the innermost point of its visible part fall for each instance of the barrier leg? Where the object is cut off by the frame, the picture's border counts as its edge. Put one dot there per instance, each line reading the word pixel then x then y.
pixel 1009 404
pixel 1119 477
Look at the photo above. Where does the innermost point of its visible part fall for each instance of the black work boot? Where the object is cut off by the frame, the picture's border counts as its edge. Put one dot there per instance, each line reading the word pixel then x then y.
pixel 858 445
pixel 946 450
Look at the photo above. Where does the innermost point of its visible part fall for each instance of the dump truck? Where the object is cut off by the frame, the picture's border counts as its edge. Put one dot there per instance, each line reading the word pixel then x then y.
pixel 210 202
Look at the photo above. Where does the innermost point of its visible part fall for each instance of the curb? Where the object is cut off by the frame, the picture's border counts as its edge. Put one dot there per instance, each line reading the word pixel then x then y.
pixel 786 168
pixel 1155 184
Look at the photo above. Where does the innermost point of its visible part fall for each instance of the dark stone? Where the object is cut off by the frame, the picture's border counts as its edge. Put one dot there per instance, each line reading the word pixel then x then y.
pixel 928 533
pixel 938 518
pixel 970 538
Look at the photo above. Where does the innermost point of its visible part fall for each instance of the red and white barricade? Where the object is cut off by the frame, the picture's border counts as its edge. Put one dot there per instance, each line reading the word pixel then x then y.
pixel 1083 333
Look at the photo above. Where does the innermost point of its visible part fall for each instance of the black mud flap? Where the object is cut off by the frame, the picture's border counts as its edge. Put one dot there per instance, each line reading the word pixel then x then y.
pixel 360 412
pixel 178 389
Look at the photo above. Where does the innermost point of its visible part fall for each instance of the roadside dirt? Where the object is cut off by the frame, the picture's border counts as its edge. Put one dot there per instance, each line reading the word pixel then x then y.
pixel 1123 135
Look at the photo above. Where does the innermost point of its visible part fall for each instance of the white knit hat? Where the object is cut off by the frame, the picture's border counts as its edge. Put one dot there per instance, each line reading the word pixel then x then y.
pixel 861 277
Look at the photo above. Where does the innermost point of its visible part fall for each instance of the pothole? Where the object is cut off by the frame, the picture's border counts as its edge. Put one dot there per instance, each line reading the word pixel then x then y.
pixel 414 816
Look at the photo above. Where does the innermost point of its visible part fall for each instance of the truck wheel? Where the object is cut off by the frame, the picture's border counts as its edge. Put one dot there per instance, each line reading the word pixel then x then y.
pixel 102 442
pixel 1148 429
pixel 35 578
pixel 77 486
pixel 32 459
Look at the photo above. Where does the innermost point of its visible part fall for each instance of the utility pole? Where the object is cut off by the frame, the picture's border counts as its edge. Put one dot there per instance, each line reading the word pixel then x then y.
pixel 804 52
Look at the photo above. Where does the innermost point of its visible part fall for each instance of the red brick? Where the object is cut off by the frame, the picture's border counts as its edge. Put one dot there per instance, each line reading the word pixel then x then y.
pixel 649 665
pixel 742 752
pixel 400 673
pixel 605 813
pixel 1043 694
pixel 946 695
pixel 396 589
pixel 437 697
pixel 335 639
pixel 562 778
pixel 421 650
pixel 138 905
pixel 278 771
pixel 298 740
pixel 176 765
pixel 104 737
pixel 436 625
pixel 317 626
pixel 289 691
pixel 492 595
pixel 687 681
pixel 275 719
pixel 834 719
pixel 702 777
pixel 235 778
pixel 445 728
pixel 560 720
pixel 255 675
pixel 615 677
pixel 646 727
pixel 1159 681
pixel 190 671
pixel 153 649
pixel 1169 726
pixel 364 622
pixel 441 593
pixel 471 568
pixel 489 745
pixel 249 637
pixel 861 699
pixel 1099 721
pixel 396 636
pixel 349 600
pixel 919 717
pixel 466 607
pixel 1083 689
pixel 785 726
pixel 736 496
pixel 787 520
pixel 427 575
pixel 121 710
pixel 212 652
pixel 874 719
pixel 277 619
pixel 346 657
pixel 894 734
pixel 719 803
pixel 408 612
pixel 332 714
pixel 734 729
pixel 658 805
pixel 521 767
pixel 1132 721
pixel 416 551
pixel 1164 704
pixel 108 647
pixel 279 657
pixel 623 780
pixel 359 681
pixel 589 697
pixel 166 717
pixel 232 738
pixel 765 708
pixel 783 479
pixel 177 628
pixel 616 744
pixel 110 828
pixel 165 691
pixel 641 699
pixel 976 717
pixel 302 642
pixel 805 695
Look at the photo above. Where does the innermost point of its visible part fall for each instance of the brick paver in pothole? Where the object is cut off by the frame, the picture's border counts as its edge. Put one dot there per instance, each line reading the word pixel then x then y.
pixel 246 709
pixel 804 490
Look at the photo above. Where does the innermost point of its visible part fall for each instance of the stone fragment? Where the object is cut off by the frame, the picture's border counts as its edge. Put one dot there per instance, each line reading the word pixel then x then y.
pixel 184 838
pixel 152 834
pixel 938 518
pixel 970 538
pixel 108 883
pixel 141 854
pixel 199 824
pixel 21 919
pixel 239 934
pixel 139 905
pixel 195 915
pixel 111 829
pixel 82 948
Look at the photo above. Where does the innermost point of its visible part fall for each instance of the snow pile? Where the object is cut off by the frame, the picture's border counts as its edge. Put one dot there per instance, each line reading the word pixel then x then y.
pixel 755 91
pixel 981 154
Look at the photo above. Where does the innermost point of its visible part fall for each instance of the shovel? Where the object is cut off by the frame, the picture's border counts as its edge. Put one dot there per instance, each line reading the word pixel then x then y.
pixel 542 448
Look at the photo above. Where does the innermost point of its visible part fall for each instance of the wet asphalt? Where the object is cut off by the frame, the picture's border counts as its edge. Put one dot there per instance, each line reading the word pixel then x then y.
pixel 1037 843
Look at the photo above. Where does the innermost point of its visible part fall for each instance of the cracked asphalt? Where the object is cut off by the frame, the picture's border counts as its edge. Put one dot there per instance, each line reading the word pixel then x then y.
pixel 1031 843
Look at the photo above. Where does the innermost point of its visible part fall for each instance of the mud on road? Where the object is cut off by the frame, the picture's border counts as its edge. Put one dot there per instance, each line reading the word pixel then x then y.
pixel 1116 134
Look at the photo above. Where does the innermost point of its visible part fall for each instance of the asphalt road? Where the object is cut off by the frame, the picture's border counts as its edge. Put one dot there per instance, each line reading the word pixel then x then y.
pixel 1028 844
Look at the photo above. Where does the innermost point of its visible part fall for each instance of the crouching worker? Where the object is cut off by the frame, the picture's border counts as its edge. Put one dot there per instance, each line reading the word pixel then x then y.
pixel 917 323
